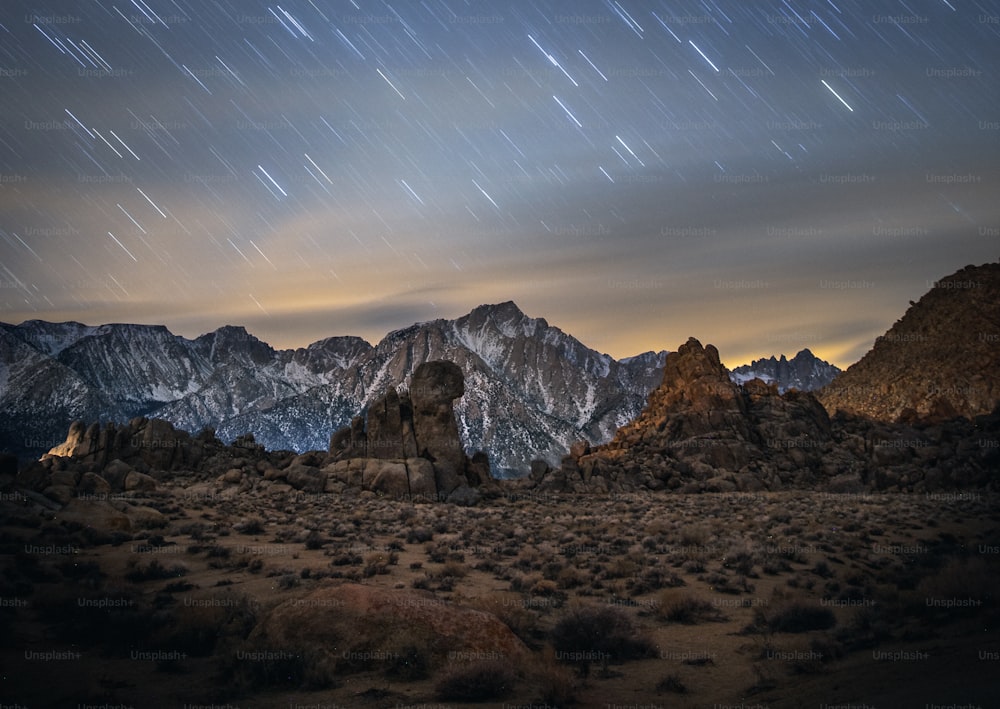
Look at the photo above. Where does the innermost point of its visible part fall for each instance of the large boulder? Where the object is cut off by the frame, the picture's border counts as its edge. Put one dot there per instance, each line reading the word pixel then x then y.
pixel 305 478
pixel 339 623
pixel 388 478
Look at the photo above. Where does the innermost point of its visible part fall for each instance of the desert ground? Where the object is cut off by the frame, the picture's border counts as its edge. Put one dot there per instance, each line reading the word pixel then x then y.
pixel 791 599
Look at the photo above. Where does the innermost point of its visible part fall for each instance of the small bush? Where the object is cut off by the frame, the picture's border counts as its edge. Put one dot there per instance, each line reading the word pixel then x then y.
pixel 419 535
pixel 476 682
pixel 556 686
pixel 605 632
pixel 375 564
pixel 315 540
pixel 671 683
pixel 251 526
pixel 455 569
pixel 153 571
pixel 795 617
pixel 687 609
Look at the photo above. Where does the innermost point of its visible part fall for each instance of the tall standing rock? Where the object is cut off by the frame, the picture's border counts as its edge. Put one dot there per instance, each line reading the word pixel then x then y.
pixel 407 445
pixel 385 427
pixel 433 387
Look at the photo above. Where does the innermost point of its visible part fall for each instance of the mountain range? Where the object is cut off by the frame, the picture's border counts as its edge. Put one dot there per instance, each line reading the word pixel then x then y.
pixel 805 372
pixel 531 389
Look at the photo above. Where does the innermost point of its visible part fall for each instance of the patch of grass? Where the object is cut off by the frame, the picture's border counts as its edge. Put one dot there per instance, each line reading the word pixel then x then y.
pixel 556 685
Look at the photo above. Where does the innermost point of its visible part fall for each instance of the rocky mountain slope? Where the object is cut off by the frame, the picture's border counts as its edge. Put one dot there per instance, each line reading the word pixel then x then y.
pixel 920 412
pixel 940 360
pixel 531 389
pixel 805 372
pixel 700 432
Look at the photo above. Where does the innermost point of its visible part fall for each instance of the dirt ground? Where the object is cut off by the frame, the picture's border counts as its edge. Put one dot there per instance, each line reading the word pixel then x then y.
pixel 719 600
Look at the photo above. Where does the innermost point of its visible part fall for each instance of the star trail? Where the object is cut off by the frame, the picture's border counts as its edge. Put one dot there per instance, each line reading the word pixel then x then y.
pixel 763 176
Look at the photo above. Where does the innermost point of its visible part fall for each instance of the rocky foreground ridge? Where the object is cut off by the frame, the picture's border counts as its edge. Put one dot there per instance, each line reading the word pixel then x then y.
pixel 701 432
pixel 406 448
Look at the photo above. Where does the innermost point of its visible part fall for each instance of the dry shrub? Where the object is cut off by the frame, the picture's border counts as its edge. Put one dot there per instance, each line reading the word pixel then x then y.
pixel 569 577
pixel 678 607
pixel 793 617
pixel 671 683
pixel 696 536
pixel 476 681
pixel 963 579
pixel 556 686
pixel 607 633
pixel 376 563
pixel 455 569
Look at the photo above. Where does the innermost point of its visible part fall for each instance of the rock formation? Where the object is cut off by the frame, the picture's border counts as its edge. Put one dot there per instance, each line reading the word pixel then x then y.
pixel 940 360
pixel 400 449
pixel 407 446
pixel 154 442
pixel 702 432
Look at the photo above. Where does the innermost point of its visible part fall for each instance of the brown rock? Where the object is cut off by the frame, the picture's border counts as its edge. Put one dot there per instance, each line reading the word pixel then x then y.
pixel 139 482
pixel 385 427
pixel 232 476
pixel 98 514
pixel 115 473
pixel 305 478
pixel 434 386
pixel 698 426
pixel 388 478
pixel 420 472
pixel 60 493
pixel 336 621
pixel 69 478
pixel 93 484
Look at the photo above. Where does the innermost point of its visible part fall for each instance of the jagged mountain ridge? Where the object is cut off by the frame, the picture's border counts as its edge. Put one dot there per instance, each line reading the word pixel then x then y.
pixel 805 372
pixel 531 388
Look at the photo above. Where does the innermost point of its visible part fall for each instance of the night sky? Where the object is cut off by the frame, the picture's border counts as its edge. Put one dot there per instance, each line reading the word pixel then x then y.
pixel 764 176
